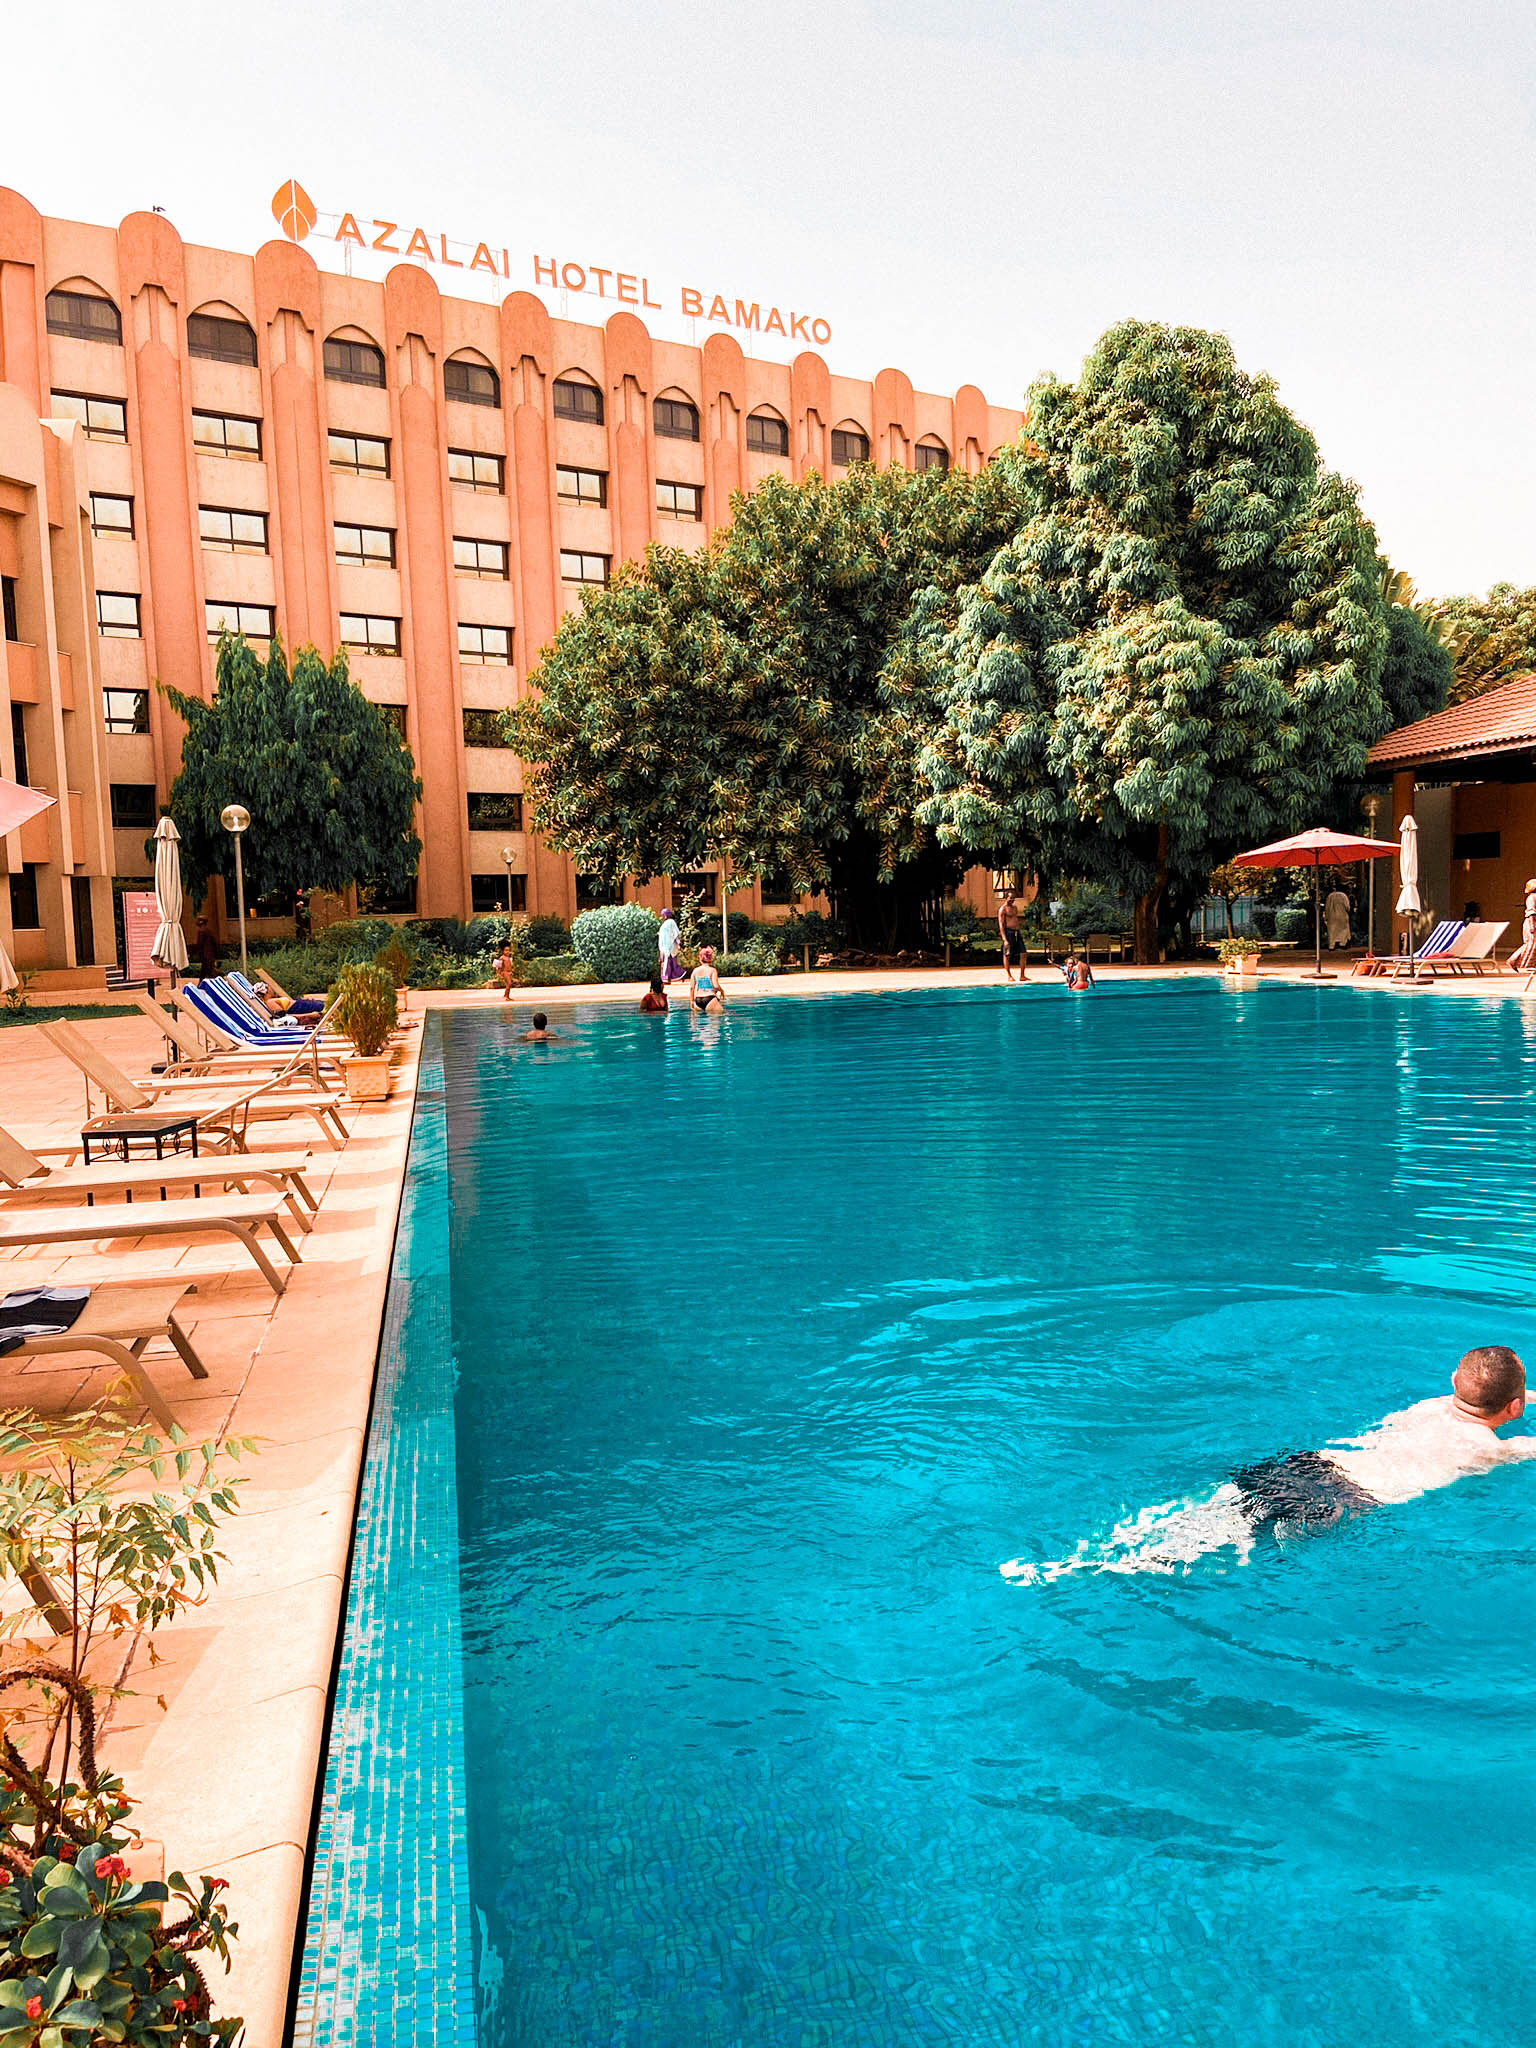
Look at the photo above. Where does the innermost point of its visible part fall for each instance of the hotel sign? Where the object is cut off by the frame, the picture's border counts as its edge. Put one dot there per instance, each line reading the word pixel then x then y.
pixel 298 217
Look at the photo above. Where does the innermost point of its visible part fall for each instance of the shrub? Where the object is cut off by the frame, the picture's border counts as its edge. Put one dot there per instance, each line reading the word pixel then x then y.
pixel 1293 923
pixel 759 955
pixel 560 970
pixel 1264 920
pixel 548 935
pixel 365 1007
pixel 394 960
pixel 618 942
pixel 811 928
pixel 1243 948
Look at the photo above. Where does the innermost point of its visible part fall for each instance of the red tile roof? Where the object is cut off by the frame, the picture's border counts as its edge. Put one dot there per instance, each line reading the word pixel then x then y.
pixel 1499 722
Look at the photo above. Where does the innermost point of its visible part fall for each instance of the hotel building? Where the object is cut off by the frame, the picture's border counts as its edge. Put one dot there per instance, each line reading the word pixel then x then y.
pixel 193 437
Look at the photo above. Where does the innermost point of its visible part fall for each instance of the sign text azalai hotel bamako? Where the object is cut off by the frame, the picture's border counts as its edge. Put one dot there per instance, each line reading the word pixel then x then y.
pixel 296 214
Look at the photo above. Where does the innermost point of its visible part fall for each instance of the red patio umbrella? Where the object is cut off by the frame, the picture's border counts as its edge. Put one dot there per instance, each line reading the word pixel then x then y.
pixel 1318 849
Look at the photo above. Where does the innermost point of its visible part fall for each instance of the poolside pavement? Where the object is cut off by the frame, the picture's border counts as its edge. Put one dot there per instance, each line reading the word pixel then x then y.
pixel 222 1741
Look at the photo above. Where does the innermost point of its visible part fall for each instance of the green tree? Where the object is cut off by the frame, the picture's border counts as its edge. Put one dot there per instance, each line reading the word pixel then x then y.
pixel 327 779
pixel 756 701
pixel 1495 638
pixel 1180 651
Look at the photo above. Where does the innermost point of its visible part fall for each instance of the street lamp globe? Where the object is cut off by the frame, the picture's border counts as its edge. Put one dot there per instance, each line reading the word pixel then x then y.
pixel 235 818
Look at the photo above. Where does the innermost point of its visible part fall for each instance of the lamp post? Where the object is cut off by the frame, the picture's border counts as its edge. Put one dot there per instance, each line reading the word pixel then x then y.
pixel 1371 805
pixel 507 857
pixel 236 819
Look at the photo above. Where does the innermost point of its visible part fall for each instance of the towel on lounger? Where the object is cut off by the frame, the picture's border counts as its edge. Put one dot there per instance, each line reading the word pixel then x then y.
pixel 38 1312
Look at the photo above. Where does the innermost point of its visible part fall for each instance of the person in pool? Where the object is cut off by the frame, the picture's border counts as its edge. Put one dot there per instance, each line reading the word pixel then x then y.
pixel 539 1033
pixel 1077 974
pixel 1416 1450
pixel 704 986
pixel 654 1002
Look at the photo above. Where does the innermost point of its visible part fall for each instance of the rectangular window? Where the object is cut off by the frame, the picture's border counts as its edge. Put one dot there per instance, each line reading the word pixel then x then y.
pixel 226 433
pixel 469 383
pixel 104 419
pixel 680 501
pixel 8 607
pixel 486 559
pixel 575 401
pixel 677 418
pixel 484 729
pixel 1475 846
pixel 83 317
pixel 232 532
pixel 19 742
pixel 775 889
pixel 359 454
pixel 766 434
pixel 367 547
pixel 354 362
pixel 111 517
pixel 593 893
pixel 117 614
pixel 490 893
pixel 702 886
pixel 133 807
pixel 581 486
pixel 25 916
pixel 931 456
pixel 220 341
pixel 127 711
pixel 485 646
pixel 849 446
pixel 255 621
pixel 477 472
pixel 494 810
pixel 367 633
pixel 579 568
pixel 377 899
pixel 395 713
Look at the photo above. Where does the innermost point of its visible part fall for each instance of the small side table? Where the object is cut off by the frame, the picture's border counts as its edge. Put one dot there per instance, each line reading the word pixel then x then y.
pixel 114 1136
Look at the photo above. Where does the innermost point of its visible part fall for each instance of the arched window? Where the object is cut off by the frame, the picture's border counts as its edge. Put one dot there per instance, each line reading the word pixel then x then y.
pixel 931 455
pixel 676 417
pixel 767 434
pixel 219 339
pixel 353 362
pixel 84 316
pixel 468 382
pixel 849 444
pixel 576 399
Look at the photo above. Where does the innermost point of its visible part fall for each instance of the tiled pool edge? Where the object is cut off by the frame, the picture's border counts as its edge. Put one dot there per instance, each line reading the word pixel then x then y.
pixel 392 1824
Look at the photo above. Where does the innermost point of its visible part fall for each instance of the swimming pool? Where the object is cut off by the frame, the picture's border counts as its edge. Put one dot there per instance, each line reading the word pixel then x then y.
pixel 772 1340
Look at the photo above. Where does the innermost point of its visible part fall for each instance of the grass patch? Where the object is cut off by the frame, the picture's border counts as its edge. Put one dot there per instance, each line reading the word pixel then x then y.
pixel 53 1013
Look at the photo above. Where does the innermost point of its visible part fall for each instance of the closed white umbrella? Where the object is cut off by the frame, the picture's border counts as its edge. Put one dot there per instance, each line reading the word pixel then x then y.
pixel 7 972
pixel 170 947
pixel 1408 864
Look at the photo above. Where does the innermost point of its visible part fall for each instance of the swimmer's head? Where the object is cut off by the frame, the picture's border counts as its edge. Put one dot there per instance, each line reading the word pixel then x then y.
pixel 1490 1384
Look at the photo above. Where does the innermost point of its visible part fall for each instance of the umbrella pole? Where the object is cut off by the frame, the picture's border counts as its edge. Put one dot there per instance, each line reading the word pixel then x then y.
pixel 1317 973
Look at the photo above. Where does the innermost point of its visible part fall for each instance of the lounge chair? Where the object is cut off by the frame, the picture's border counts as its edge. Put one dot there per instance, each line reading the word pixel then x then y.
pixel 237 1216
pixel 26 1175
pixel 1471 952
pixel 195 1057
pixel 1440 940
pixel 231 1011
pixel 227 1113
pixel 119 1322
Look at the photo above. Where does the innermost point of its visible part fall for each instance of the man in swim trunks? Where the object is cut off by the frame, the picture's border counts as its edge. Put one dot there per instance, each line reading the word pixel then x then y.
pixel 540 1033
pixel 1416 1450
pixel 1012 937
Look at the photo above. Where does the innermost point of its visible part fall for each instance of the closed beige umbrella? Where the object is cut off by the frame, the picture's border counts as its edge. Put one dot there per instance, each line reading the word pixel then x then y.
pixel 170 947
pixel 8 979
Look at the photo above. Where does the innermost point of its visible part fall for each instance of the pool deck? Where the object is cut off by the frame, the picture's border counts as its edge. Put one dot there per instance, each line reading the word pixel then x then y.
pixel 222 1744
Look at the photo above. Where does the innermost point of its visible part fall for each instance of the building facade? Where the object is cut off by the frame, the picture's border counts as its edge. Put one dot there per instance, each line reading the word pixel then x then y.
pixel 427 481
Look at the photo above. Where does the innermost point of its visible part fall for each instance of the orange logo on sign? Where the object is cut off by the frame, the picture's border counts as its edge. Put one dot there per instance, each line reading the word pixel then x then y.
pixel 293 210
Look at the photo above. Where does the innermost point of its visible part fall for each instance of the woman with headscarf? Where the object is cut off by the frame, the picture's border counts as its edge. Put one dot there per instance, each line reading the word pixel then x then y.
pixel 669 944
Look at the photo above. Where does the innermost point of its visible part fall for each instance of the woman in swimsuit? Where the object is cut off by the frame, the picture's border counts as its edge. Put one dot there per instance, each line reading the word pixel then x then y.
pixel 704 983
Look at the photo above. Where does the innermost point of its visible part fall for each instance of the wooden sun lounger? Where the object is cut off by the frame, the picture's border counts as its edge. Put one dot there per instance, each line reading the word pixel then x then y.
pixel 27 1176
pixel 227 1113
pixel 118 1322
pixel 196 1058
pixel 237 1216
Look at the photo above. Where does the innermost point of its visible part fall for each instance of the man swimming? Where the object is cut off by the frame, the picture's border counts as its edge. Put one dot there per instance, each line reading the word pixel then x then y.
pixel 1432 1444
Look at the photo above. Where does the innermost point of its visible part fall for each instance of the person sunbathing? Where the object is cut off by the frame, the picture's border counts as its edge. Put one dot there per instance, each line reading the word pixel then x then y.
pixel 1413 1451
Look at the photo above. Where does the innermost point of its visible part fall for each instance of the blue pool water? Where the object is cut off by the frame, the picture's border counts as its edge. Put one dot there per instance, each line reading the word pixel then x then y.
pixel 776 1337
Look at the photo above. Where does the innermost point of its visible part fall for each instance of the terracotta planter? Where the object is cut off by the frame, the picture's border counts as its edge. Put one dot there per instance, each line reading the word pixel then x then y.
pixel 1244 972
pixel 367 1076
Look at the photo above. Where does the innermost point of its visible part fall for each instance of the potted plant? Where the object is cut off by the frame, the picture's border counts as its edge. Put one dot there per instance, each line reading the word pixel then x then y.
pixel 364 998
pixel 1239 959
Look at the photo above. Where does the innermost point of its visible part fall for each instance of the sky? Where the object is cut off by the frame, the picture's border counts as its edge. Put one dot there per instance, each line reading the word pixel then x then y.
pixel 973 192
